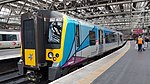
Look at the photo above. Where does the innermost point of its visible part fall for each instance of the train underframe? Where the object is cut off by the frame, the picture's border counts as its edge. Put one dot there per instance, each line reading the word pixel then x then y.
pixel 47 73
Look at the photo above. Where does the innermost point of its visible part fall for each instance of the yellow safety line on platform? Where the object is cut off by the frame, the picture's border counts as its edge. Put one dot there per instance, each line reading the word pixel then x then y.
pixel 92 76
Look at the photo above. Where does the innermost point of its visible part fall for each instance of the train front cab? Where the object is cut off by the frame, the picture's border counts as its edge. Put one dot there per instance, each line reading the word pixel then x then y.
pixel 35 46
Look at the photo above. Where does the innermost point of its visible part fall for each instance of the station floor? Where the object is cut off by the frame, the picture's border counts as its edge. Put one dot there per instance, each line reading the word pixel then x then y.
pixel 125 66
pixel 132 68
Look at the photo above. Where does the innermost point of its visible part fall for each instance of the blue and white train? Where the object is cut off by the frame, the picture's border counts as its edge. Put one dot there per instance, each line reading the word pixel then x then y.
pixel 54 43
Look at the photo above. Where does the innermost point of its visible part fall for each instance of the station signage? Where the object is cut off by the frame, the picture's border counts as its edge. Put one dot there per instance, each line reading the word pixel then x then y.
pixel 137 31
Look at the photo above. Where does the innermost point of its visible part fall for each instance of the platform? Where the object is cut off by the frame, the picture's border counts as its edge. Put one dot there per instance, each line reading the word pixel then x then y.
pixel 9 53
pixel 132 68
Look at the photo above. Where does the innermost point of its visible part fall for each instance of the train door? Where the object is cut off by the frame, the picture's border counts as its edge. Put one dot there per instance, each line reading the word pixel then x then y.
pixel 28 34
pixel 104 41
pixel 33 51
pixel 93 36
pixel 118 39
pixel 100 34
pixel 121 38
pixel 77 39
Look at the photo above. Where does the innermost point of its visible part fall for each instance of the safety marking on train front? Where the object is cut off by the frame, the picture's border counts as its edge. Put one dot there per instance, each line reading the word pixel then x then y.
pixel 92 76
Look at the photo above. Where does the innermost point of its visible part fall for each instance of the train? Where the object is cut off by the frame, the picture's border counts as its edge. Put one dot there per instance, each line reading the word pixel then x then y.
pixel 54 44
pixel 10 39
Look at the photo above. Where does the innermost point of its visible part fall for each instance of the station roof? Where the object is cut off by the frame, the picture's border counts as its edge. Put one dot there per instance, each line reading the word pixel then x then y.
pixel 114 14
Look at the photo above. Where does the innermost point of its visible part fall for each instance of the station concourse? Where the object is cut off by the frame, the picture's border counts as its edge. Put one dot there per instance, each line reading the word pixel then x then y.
pixel 125 66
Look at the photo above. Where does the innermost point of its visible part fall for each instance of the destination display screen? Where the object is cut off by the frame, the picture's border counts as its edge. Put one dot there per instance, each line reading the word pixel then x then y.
pixel 56 19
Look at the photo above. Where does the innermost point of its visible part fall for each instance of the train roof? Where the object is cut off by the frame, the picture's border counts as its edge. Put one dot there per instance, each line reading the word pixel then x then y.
pixel 90 24
pixel 83 22
pixel 56 13
pixel 9 32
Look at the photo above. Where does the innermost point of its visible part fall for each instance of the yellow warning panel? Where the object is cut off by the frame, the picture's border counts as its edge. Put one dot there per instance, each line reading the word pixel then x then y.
pixel 30 58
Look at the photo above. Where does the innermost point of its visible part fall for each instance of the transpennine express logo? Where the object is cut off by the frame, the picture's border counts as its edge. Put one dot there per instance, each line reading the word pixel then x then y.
pixel 30 56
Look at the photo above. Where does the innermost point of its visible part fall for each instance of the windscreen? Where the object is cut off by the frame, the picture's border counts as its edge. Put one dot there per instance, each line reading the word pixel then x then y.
pixel 29 33
pixel 55 30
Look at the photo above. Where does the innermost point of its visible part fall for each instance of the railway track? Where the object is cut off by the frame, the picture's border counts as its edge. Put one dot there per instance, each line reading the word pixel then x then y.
pixel 11 77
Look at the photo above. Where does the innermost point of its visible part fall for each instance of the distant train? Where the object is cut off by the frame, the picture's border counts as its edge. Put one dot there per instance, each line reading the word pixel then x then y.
pixel 53 44
pixel 9 39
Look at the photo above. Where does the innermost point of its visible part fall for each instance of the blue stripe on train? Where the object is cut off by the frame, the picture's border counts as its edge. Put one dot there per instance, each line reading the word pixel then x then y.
pixel 69 44
pixel 69 39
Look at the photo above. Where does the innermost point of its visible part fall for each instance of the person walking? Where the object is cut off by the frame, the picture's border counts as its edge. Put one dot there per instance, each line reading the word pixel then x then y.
pixel 140 42
pixel 146 41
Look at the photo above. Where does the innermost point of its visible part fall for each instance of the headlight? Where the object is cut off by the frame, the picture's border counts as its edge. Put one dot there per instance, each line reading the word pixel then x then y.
pixel 57 55
pixel 50 55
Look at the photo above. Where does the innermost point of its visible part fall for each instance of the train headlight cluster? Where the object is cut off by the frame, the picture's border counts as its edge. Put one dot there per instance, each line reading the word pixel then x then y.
pixel 50 55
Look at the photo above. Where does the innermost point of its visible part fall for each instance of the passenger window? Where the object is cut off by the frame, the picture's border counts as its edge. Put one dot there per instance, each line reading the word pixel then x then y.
pixel 92 37
pixel 11 37
pixel 99 34
pixel 8 37
pixel 77 36
pixel 107 38
pixel 113 37
pixel 121 38
pixel 0 37
pixel 100 37
pixel 110 37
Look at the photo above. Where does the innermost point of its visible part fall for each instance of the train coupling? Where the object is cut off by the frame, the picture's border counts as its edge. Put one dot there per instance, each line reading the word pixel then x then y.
pixel 20 67
pixel 33 76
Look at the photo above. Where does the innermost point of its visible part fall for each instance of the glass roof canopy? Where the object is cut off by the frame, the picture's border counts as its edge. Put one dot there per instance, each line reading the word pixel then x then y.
pixel 115 14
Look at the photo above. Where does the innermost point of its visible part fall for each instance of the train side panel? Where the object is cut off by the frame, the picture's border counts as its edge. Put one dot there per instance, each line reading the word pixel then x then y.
pixel 9 39
pixel 85 48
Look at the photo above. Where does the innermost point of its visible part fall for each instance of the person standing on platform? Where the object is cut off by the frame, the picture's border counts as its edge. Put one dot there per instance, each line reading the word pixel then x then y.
pixel 146 41
pixel 140 42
